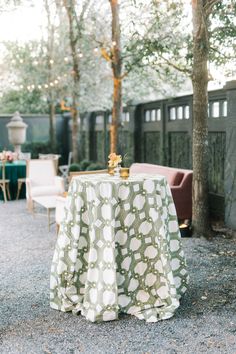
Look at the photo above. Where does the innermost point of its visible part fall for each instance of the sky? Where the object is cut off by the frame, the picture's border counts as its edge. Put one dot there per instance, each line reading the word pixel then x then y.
pixel 21 24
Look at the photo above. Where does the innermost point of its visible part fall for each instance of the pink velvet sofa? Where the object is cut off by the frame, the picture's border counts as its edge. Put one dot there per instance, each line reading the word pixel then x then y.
pixel 180 182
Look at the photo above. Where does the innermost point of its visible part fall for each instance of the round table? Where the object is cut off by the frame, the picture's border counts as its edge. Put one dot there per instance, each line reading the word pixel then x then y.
pixel 13 171
pixel 118 250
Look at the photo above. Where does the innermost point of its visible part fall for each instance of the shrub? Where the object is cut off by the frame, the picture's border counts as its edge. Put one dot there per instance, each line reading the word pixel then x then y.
pixel 84 164
pixel 37 148
pixel 74 167
pixel 95 166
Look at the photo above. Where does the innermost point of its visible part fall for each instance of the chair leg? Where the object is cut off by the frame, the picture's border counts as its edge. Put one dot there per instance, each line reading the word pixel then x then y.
pixel 8 191
pixel 19 185
pixel 57 228
pixel 30 205
pixel 4 193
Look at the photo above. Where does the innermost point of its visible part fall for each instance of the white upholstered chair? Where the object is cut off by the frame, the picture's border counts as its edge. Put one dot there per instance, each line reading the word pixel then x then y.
pixel 54 157
pixel 41 180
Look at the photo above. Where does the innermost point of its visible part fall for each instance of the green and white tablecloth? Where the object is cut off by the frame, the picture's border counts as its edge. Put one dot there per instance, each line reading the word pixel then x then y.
pixel 118 250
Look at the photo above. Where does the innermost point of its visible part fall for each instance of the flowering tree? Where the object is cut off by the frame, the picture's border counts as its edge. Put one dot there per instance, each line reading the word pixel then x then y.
pixel 76 20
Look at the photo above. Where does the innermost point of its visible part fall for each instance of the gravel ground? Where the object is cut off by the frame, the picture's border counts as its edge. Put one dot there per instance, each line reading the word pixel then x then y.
pixel 204 323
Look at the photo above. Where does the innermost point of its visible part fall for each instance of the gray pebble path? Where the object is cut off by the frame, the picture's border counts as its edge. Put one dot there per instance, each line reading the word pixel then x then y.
pixel 204 323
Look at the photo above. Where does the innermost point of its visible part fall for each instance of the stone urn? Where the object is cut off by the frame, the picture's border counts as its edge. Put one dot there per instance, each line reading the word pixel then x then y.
pixel 17 132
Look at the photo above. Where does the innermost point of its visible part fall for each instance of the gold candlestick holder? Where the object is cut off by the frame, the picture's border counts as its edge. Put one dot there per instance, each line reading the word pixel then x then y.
pixel 124 172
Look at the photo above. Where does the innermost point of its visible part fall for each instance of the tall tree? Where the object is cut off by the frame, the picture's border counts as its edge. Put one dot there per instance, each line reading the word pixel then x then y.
pixel 204 14
pixel 116 64
pixel 200 11
pixel 76 27
pixel 50 60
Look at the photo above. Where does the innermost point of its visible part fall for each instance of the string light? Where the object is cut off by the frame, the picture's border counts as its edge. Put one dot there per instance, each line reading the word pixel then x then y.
pixel 36 62
pixel 51 61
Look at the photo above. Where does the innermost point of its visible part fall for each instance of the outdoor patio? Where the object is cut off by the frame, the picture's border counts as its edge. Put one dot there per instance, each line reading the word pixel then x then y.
pixel 204 323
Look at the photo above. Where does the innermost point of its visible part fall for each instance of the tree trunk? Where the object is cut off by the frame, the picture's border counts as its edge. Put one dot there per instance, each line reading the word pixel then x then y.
pixel 73 37
pixel 75 103
pixel 52 122
pixel 201 224
pixel 50 50
pixel 117 81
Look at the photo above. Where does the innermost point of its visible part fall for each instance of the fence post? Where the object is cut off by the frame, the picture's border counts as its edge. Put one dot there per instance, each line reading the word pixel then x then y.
pixel 230 159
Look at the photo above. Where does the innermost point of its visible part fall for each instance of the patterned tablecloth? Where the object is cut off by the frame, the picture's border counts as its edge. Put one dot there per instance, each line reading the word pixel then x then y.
pixel 118 250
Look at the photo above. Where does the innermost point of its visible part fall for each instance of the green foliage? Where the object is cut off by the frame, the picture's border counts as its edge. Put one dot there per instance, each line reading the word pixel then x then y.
pixel 23 101
pixel 95 166
pixel 84 164
pixel 37 148
pixel 127 161
pixel 74 167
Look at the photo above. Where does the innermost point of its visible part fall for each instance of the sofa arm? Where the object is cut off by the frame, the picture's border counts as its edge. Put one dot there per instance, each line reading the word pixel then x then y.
pixel 182 196
pixel 59 183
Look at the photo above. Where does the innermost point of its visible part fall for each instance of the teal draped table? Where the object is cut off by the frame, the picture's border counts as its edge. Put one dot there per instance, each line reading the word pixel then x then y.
pixel 118 250
pixel 14 170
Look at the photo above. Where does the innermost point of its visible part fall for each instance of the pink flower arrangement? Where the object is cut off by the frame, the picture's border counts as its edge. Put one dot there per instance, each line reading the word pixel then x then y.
pixel 114 159
pixel 8 156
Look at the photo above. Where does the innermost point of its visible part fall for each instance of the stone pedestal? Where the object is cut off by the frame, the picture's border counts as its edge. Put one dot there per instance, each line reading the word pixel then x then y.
pixel 17 132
